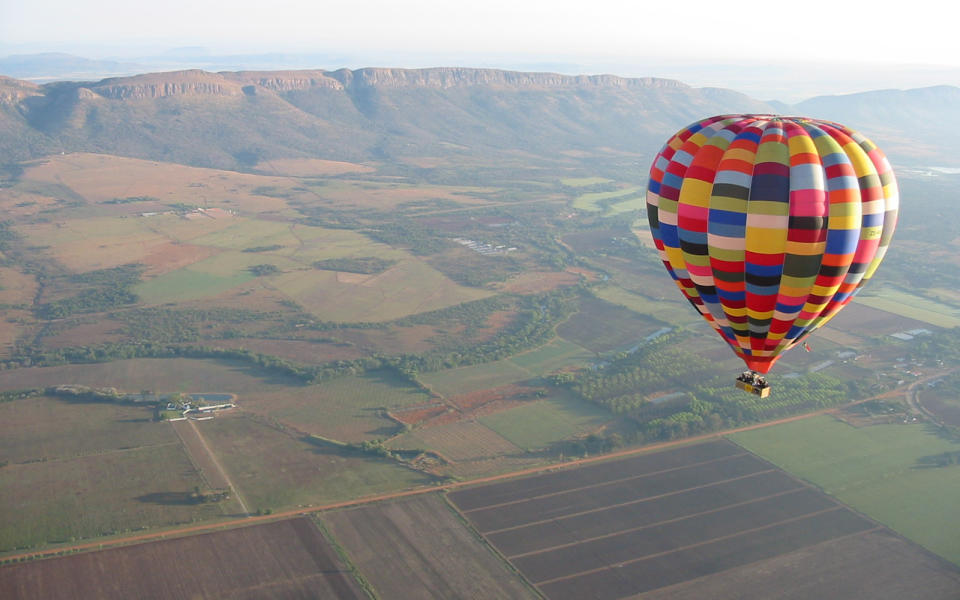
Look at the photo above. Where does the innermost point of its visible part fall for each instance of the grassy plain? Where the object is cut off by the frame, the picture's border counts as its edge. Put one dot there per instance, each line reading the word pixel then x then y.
pixel 274 469
pixel 878 470
pixel 474 378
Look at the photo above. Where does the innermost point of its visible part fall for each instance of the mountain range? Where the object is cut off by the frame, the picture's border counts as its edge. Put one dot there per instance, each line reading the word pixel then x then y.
pixel 234 120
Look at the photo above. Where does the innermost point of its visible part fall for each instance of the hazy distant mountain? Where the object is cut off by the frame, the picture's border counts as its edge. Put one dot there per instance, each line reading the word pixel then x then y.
pixel 49 66
pixel 234 119
pixel 922 123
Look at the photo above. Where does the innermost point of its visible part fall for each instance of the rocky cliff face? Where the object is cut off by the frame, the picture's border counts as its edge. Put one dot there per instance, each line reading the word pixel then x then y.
pixel 200 83
pixel 447 78
pixel 235 120
pixel 161 85
pixel 13 91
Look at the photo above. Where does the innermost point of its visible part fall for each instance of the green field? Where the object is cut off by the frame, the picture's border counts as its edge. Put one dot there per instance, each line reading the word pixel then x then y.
pixel 589 201
pixel 909 305
pixel 188 284
pixel 345 408
pixel 542 422
pixel 882 470
pixel 556 355
pixel 463 380
pixel 637 203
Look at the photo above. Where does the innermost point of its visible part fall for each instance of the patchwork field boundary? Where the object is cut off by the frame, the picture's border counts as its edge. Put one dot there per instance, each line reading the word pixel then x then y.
pixel 254 519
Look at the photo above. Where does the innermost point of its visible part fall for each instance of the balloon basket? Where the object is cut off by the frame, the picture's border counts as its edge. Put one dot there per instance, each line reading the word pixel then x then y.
pixel 754 383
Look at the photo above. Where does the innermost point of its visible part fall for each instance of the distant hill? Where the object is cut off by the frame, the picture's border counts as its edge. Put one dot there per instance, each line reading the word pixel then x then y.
pixel 235 119
pixel 916 126
pixel 48 66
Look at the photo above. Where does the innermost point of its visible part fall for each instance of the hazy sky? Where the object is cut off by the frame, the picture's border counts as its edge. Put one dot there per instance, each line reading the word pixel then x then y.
pixel 592 33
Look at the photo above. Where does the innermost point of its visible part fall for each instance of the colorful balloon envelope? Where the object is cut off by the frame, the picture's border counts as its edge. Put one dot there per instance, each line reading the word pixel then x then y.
pixel 769 225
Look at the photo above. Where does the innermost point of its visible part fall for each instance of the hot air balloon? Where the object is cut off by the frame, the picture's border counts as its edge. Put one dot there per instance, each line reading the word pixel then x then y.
pixel 769 225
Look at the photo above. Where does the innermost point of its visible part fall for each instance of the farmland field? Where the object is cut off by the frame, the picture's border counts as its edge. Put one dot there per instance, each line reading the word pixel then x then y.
pixel 189 284
pixel 274 469
pixel 541 422
pixel 911 306
pixel 346 408
pixel 42 428
pixel 673 313
pixel 879 470
pixel 417 548
pixel 285 559
pixel 458 441
pixel 88 496
pixel 588 201
pixel 554 356
pixel 660 521
pixel 601 326
pixel 408 287
pixel 474 378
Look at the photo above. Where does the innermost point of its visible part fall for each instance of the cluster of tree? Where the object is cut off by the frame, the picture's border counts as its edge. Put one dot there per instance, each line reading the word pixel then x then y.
pixel 944 459
pixel 269 248
pixel 936 349
pixel 472 315
pixel 406 233
pixel 585 446
pixel 106 289
pixel 370 448
pixel 84 393
pixel 169 325
pixel 7 235
pixel 696 405
pixel 263 269
pixel 469 268
pixel 367 265
pixel 11 395
pixel 538 317
pixel 199 496
pixel 132 199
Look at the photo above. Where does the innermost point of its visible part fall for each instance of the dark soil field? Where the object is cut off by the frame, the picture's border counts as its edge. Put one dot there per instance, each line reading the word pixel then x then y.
pixel 417 548
pixel 675 518
pixel 287 559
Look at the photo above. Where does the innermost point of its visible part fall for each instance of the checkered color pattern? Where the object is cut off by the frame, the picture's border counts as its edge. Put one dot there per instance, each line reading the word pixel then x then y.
pixel 769 225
